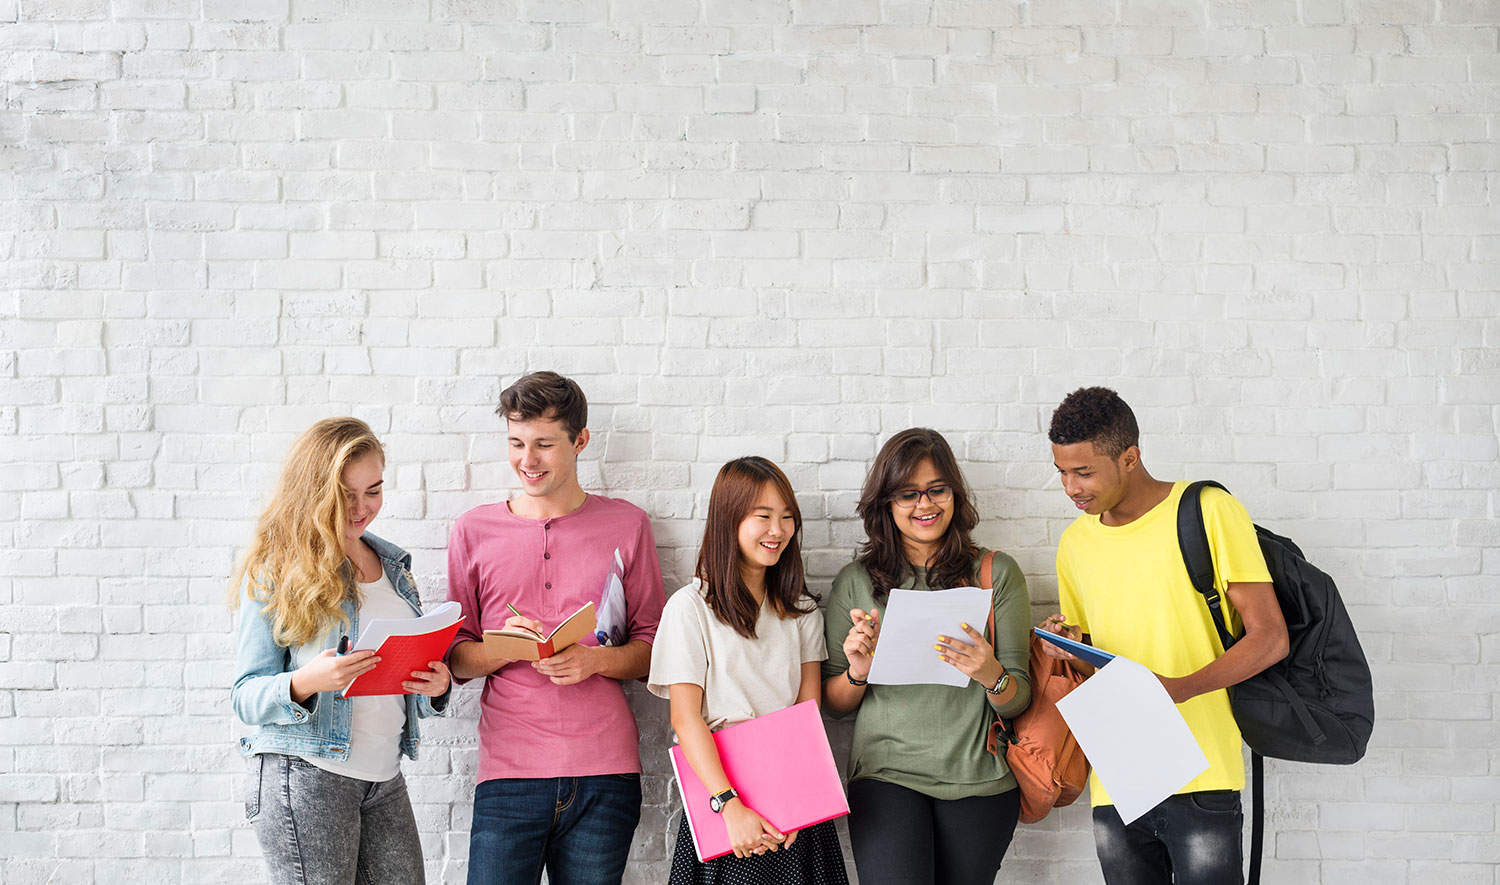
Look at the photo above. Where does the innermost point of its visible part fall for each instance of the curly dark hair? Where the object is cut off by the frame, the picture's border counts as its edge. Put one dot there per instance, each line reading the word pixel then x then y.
pixel 1096 415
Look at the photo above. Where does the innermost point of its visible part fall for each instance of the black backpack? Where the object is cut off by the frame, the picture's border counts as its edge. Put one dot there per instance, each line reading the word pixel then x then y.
pixel 1315 705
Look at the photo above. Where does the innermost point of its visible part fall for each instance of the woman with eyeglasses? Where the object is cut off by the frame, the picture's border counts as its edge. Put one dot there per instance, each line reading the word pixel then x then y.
pixel 930 797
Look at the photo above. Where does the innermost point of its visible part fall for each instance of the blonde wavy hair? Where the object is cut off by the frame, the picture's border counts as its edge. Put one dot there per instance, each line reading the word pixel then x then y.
pixel 295 564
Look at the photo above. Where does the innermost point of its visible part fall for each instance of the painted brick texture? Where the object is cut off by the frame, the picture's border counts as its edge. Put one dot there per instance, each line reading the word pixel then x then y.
pixel 778 227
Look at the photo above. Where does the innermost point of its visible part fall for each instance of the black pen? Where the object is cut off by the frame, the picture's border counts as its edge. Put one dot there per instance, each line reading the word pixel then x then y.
pixel 343 645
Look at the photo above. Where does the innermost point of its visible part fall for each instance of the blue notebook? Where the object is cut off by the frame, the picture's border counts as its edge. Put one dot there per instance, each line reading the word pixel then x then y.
pixel 1090 655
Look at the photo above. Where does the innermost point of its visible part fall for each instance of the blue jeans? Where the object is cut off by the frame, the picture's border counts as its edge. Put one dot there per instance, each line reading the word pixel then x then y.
pixel 1189 839
pixel 578 828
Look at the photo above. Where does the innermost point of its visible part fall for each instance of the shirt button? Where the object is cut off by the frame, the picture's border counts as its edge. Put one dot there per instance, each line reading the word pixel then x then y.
pixel 549 585
pixel 546 555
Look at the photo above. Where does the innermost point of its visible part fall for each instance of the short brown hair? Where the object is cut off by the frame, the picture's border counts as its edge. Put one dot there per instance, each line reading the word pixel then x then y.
pixel 546 395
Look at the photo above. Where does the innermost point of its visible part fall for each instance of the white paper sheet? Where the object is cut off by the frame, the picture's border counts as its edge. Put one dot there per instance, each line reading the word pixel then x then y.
pixel 910 625
pixel 379 630
pixel 1133 735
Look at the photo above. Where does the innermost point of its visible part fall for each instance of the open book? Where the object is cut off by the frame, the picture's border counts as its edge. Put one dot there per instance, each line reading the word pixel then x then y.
pixel 404 645
pixel 520 644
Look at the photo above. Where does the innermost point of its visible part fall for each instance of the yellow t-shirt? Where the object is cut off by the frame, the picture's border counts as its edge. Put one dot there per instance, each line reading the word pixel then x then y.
pixel 1127 587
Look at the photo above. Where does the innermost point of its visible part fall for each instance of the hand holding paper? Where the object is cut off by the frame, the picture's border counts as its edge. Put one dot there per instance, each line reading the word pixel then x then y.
pixel 1139 744
pixel 914 619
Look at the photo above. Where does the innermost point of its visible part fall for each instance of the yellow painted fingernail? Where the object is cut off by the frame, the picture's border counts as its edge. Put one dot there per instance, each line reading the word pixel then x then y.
pixel 963 625
pixel 937 648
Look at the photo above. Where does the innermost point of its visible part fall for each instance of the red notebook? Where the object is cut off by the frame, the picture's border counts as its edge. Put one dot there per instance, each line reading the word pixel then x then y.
pixel 403 646
pixel 782 767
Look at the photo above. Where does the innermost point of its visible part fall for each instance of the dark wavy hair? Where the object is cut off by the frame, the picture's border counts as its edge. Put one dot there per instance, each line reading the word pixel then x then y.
pixel 546 395
pixel 735 489
pixel 883 554
pixel 1095 415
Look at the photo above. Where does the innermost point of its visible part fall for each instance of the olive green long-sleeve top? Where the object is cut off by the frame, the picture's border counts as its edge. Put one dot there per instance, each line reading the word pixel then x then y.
pixel 931 738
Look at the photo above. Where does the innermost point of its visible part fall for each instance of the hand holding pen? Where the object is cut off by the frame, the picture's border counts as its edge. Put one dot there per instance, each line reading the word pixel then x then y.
pixel 516 619
pixel 331 670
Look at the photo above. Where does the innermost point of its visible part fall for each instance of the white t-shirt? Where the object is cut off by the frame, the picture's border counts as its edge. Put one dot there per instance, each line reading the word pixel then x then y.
pixel 741 678
pixel 375 733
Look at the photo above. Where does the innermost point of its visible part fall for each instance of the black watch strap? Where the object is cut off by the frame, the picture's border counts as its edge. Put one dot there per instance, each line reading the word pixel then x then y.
pixel 717 801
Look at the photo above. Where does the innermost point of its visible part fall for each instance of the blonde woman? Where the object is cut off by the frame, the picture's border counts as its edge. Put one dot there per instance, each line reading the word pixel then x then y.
pixel 326 793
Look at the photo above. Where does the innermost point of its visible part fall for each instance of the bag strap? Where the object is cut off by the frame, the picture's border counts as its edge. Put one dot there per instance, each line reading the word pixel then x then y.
pixel 1257 814
pixel 1197 556
pixel 1000 735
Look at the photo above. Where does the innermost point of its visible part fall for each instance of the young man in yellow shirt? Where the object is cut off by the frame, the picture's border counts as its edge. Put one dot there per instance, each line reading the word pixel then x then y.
pixel 1122 585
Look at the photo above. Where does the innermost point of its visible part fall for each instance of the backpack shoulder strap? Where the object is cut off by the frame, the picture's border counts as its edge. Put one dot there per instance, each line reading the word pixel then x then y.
pixel 1197 556
pixel 1257 815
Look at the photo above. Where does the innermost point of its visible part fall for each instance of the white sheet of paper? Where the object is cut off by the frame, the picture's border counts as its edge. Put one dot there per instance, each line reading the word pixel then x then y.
pixel 910 624
pixel 380 629
pixel 1133 735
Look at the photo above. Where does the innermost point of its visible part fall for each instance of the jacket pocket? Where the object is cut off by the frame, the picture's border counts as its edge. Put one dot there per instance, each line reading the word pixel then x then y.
pixel 252 785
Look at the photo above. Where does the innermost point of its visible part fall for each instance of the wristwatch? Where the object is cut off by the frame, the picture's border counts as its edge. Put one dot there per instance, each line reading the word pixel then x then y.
pixel 717 801
pixel 1000 683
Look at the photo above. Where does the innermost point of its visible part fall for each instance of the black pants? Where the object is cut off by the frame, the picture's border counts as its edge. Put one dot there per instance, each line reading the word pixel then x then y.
pixel 902 837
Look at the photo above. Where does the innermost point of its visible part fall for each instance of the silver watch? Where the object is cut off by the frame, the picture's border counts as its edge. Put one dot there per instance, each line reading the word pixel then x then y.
pixel 717 801
pixel 1001 683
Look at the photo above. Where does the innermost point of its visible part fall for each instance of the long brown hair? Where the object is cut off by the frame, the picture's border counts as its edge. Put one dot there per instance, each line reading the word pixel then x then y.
pixel 735 489
pixel 883 554
pixel 295 563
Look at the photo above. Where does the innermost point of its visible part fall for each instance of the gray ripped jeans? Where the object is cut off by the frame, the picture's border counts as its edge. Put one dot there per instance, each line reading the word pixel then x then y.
pixel 320 828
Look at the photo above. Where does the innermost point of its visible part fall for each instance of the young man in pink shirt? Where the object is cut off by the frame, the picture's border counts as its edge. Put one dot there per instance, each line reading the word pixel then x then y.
pixel 559 783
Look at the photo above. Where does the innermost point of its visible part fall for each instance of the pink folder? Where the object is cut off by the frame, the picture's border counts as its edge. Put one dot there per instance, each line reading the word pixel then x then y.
pixel 781 765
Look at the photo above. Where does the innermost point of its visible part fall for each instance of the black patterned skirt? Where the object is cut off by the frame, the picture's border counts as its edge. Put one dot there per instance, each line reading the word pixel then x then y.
pixel 814 859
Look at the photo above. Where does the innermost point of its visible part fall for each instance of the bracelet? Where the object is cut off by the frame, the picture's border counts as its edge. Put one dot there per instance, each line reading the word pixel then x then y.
pixel 849 675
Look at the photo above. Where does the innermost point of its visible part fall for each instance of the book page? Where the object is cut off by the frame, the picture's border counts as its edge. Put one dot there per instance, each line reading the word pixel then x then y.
pixel 379 630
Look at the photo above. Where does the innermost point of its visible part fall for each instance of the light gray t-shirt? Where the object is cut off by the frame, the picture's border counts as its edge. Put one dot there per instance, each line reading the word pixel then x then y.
pixel 741 678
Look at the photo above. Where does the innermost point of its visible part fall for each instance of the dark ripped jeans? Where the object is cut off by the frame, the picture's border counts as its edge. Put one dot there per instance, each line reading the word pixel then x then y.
pixel 1189 839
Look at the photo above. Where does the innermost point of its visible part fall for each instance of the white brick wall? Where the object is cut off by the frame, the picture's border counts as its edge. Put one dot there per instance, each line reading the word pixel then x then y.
pixel 769 226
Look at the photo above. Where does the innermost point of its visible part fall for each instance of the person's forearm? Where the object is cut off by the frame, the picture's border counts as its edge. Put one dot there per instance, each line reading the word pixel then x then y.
pixel 1244 659
pixel 629 661
pixel 469 660
pixel 840 696
pixel 702 753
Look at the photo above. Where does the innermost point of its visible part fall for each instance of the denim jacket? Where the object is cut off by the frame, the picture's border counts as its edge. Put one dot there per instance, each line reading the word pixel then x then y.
pixel 320 725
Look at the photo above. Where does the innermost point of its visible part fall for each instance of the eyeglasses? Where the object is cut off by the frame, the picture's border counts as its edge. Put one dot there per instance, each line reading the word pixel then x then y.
pixel 941 493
